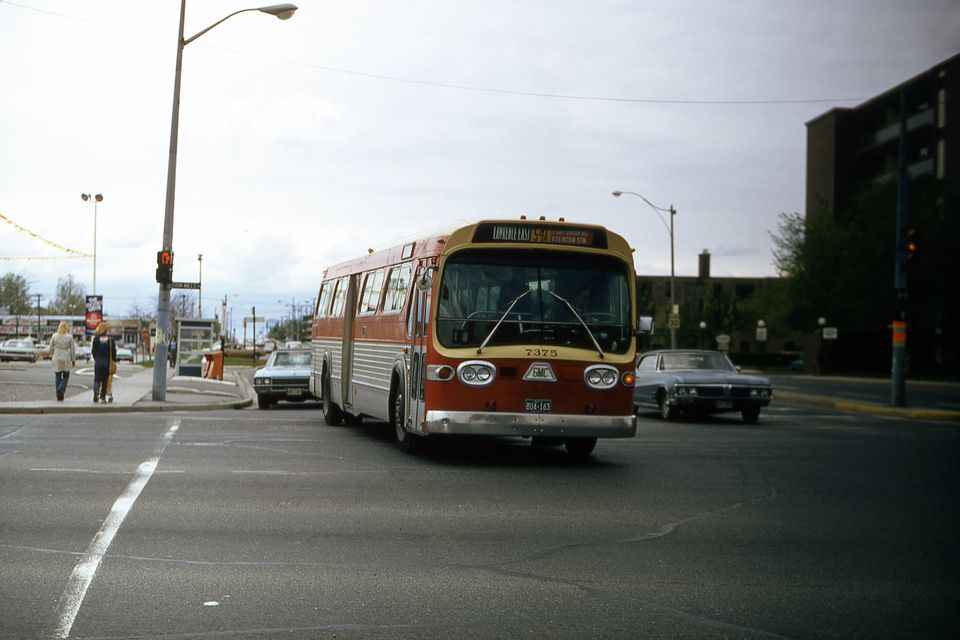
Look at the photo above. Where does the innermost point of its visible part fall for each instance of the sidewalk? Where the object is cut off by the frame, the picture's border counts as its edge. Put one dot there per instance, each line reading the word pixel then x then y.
pixel 875 403
pixel 134 393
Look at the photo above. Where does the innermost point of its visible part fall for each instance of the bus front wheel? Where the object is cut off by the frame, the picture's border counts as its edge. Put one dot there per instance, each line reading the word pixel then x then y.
pixel 331 412
pixel 408 442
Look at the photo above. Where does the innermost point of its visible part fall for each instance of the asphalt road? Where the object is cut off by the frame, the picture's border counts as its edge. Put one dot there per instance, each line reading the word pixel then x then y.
pixel 265 524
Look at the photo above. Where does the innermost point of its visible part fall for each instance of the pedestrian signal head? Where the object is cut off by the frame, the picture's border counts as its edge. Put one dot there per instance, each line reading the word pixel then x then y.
pixel 165 266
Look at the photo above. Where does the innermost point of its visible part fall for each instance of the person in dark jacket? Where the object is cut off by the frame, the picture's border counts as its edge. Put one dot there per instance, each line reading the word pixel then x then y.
pixel 103 350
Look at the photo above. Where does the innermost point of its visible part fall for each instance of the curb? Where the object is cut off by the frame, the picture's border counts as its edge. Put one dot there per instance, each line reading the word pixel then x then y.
pixel 245 400
pixel 241 403
pixel 865 407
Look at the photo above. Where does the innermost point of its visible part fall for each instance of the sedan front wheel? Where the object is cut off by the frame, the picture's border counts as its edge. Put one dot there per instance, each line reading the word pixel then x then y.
pixel 667 412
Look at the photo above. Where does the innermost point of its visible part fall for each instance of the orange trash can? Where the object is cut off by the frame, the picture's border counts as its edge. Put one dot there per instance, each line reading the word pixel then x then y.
pixel 213 365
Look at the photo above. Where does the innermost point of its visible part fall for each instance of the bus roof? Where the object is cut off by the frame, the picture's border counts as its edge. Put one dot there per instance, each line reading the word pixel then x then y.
pixel 555 234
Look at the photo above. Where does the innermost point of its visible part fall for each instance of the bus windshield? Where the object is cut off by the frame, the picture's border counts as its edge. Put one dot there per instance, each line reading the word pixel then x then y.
pixel 549 290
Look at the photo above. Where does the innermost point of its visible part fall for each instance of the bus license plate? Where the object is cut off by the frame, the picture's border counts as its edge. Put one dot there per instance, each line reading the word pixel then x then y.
pixel 539 406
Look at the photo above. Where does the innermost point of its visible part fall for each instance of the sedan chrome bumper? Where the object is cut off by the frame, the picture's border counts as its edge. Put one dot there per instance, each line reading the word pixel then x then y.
pixel 530 424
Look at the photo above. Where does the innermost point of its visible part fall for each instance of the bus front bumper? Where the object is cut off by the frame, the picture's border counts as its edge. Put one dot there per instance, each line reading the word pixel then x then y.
pixel 530 424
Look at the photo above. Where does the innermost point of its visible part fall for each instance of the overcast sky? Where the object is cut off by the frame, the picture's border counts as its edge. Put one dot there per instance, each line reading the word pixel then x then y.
pixel 362 124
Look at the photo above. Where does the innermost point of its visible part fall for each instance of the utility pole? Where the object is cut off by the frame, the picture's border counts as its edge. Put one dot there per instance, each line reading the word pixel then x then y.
pixel 38 315
pixel 897 383
pixel 200 287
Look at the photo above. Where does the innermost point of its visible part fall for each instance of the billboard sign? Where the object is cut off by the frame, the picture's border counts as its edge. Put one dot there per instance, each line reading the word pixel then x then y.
pixel 94 314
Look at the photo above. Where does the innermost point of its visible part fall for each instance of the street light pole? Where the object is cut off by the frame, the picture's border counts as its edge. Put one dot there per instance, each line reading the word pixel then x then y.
pixel 282 11
pixel 673 274
pixel 95 199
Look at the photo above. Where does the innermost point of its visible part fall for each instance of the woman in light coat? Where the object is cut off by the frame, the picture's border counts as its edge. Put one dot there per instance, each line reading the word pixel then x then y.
pixel 64 357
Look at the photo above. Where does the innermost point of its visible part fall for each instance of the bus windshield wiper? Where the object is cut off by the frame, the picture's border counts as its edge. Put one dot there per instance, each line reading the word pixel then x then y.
pixel 500 321
pixel 580 320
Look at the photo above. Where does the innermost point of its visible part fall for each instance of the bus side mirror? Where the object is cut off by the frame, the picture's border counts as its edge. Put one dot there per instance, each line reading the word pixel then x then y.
pixel 644 325
pixel 425 281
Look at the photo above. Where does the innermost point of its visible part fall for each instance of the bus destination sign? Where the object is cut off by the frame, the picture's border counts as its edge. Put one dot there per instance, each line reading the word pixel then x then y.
pixel 540 234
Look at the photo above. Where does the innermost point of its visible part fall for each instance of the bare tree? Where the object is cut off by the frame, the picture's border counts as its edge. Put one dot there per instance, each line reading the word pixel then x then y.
pixel 70 299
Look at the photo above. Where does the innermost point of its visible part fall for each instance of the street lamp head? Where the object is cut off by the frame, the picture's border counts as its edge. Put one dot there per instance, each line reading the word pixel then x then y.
pixel 98 197
pixel 283 11
pixel 617 194
pixel 85 196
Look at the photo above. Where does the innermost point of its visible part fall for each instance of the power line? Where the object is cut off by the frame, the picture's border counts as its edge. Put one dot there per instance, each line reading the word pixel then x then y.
pixel 465 87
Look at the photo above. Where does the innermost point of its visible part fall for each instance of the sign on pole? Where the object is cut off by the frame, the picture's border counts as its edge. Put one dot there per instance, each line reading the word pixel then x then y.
pixel 94 314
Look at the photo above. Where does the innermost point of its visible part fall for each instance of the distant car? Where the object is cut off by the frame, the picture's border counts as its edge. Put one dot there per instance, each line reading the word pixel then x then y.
pixel 83 353
pixel 286 376
pixel 124 354
pixel 698 381
pixel 18 349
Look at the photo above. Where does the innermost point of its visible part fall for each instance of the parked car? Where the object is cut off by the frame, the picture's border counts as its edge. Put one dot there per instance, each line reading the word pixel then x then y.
pixel 124 354
pixel 83 353
pixel 698 381
pixel 18 349
pixel 286 376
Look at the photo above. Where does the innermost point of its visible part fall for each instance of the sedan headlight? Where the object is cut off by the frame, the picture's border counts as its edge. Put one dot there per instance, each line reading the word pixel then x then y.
pixel 476 373
pixel 261 381
pixel 686 391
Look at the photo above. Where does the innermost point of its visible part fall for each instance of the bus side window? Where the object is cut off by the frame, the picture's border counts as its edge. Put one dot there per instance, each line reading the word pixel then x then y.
pixel 370 296
pixel 323 299
pixel 397 285
pixel 339 297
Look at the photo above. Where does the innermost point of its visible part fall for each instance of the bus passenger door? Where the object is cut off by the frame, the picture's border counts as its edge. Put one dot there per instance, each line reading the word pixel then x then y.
pixel 346 351
pixel 418 325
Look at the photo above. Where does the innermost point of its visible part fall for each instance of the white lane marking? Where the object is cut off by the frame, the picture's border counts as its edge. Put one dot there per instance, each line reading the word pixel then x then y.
pixel 302 473
pixel 113 473
pixel 86 569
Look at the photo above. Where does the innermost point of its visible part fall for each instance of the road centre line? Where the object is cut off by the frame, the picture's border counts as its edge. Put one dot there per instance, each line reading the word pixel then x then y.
pixel 85 570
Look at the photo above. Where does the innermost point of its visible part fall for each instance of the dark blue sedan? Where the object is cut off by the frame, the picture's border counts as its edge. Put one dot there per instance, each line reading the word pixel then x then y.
pixel 676 381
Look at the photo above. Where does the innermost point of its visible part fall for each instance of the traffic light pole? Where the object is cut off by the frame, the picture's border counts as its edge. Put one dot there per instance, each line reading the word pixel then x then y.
pixel 163 297
pixel 897 382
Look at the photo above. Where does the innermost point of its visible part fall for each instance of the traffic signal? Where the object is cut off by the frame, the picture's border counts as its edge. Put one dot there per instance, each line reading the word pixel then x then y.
pixel 910 244
pixel 165 266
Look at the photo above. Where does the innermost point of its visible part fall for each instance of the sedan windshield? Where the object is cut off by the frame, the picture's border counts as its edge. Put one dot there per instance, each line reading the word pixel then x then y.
pixel 685 361
pixel 292 359
pixel 561 299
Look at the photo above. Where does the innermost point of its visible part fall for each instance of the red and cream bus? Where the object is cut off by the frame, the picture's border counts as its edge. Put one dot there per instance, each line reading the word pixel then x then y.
pixel 500 328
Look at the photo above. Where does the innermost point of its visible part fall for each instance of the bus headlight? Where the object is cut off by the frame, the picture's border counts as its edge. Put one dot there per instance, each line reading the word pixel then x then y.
pixel 476 373
pixel 601 376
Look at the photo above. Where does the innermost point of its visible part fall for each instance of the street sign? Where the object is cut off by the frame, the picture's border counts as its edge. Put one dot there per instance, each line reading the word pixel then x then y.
pixel 761 334
pixel 253 320
pixel 184 285
pixel 673 322
pixel 830 333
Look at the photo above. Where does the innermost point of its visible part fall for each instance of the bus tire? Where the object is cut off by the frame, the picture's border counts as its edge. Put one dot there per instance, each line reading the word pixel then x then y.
pixel 331 412
pixel 580 448
pixel 408 442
